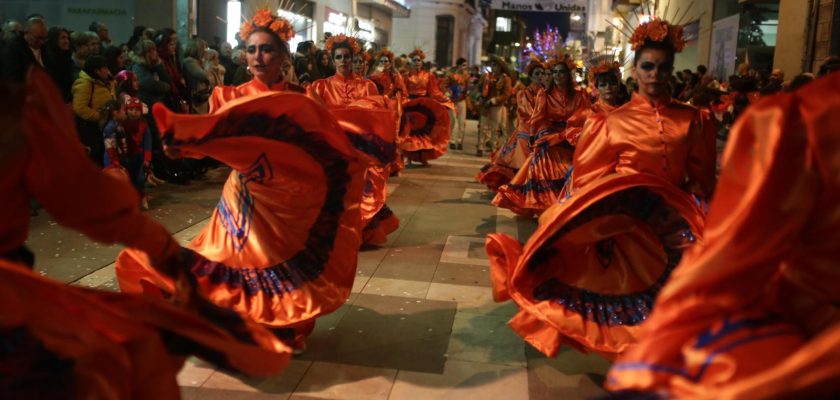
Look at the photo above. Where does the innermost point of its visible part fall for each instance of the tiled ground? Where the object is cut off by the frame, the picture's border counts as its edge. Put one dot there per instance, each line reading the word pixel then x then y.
pixel 420 324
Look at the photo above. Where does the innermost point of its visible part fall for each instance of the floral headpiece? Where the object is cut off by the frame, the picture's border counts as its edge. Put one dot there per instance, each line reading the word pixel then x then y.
pixel 385 52
pixel 535 62
pixel 366 56
pixel 658 30
pixel 334 40
pixel 265 19
pixel 562 59
pixel 605 67
pixel 417 52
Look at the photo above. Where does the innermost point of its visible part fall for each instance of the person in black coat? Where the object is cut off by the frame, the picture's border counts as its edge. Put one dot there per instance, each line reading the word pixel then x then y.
pixel 57 60
pixel 25 51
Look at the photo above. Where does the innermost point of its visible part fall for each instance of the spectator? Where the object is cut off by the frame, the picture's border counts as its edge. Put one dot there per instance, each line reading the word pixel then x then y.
pixel 115 59
pixel 774 83
pixel 215 70
pixel 831 64
pixel 241 75
pixel 305 60
pixel 324 67
pixel 226 59
pixel 147 66
pixel 136 36
pixel 24 51
pixel 101 31
pixel 58 61
pixel 169 52
pixel 799 81
pixel 11 30
pixel 149 34
pixel 83 47
pixel 198 83
pixel 91 91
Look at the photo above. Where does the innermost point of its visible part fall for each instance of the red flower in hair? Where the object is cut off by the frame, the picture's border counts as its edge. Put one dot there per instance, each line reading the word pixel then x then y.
pixel 336 39
pixel 639 36
pixel 677 37
pixel 657 30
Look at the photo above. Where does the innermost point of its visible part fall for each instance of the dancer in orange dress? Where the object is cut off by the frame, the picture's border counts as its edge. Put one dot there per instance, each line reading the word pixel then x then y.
pixel 282 244
pixel 606 78
pixel 559 113
pixel 588 276
pixel 425 124
pixel 355 101
pixel 510 158
pixel 390 84
pixel 752 312
pixel 61 341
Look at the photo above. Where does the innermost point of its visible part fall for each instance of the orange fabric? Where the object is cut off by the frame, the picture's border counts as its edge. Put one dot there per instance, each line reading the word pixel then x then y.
pixel 111 345
pixel 362 112
pixel 391 83
pixel 538 184
pixel 588 276
pixel 41 158
pixel 425 129
pixel 512 156
pixel 282 244
pixel 223 94
pixel 338 91
pixel 671 140
pixel 590 138
pixel 756 303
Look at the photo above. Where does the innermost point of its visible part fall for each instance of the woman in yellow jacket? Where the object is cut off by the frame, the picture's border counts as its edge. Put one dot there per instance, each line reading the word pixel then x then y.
pixel 90 93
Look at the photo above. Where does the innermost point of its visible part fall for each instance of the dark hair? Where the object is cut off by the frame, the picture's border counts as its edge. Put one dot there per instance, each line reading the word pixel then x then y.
pixel 461 60
pixel 162 40
pixel 608 77
pixel 831 64
pixel 52 39
pixel 798 81
pixel 108 109
pixel 93 64
pixel 94 26
pixel 304 46
pixel 112 54
pixel 702 69
pixel 668 48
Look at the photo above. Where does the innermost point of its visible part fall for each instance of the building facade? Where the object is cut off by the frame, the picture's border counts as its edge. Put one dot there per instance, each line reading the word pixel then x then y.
pixel 444 29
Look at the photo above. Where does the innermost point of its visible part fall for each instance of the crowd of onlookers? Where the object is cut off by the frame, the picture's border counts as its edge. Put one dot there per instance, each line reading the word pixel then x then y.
pixel 110 85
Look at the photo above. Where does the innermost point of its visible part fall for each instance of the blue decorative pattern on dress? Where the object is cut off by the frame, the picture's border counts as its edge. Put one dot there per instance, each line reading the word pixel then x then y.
pixel 616 309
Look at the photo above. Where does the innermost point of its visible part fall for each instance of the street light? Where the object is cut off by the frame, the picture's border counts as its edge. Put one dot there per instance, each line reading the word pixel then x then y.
pixel 234 15
pixel 576 17
pixel 516 44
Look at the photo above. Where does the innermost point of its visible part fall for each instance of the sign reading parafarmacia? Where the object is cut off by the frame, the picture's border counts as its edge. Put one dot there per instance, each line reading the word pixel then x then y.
pixel 540 5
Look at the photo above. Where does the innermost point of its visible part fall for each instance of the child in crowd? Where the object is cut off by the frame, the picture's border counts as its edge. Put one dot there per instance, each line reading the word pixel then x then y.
pixel 128 142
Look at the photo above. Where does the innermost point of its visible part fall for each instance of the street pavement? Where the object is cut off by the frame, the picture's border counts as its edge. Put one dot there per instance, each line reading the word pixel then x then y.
pixel 420 322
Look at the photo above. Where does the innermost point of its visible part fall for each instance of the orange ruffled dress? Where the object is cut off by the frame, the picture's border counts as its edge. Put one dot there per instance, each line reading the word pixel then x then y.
pixel 513 155
pixel 370 127
pixel 538 183
pixel 282 244
pixel 752 312
pixel 589 275
pixel 391 85
pixel 425 125
pixel 59 341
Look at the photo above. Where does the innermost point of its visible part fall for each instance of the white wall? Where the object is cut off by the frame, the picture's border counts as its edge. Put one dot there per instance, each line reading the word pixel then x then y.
pixel 419 29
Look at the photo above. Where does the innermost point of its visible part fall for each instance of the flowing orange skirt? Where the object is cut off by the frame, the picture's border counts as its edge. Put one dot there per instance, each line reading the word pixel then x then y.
pixel 60 341
pixel 506 162
pixel 425 129
pixel 282 244
pixel 589 275
pixel 539 182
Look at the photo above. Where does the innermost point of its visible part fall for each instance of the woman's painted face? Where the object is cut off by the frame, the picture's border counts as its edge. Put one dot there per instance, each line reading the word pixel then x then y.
pixel 562 75
pixel 343 59
pixel 417 62
pixel 608 88
pixel 538 76
pixel 652 71
pixel 358 65
pixel 385 62
pixel 265 60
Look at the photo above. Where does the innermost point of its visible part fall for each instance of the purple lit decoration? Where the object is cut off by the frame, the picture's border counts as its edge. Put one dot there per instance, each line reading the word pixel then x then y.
pixel 544 44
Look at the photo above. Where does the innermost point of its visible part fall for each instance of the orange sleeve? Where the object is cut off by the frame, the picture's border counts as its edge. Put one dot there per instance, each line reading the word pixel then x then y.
pixel 574 125
pixel 433 90
pixel 399 84
pixel 504 93
pixel 594 157
pixel 72 189
pixel 702 156
pixel 538 116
